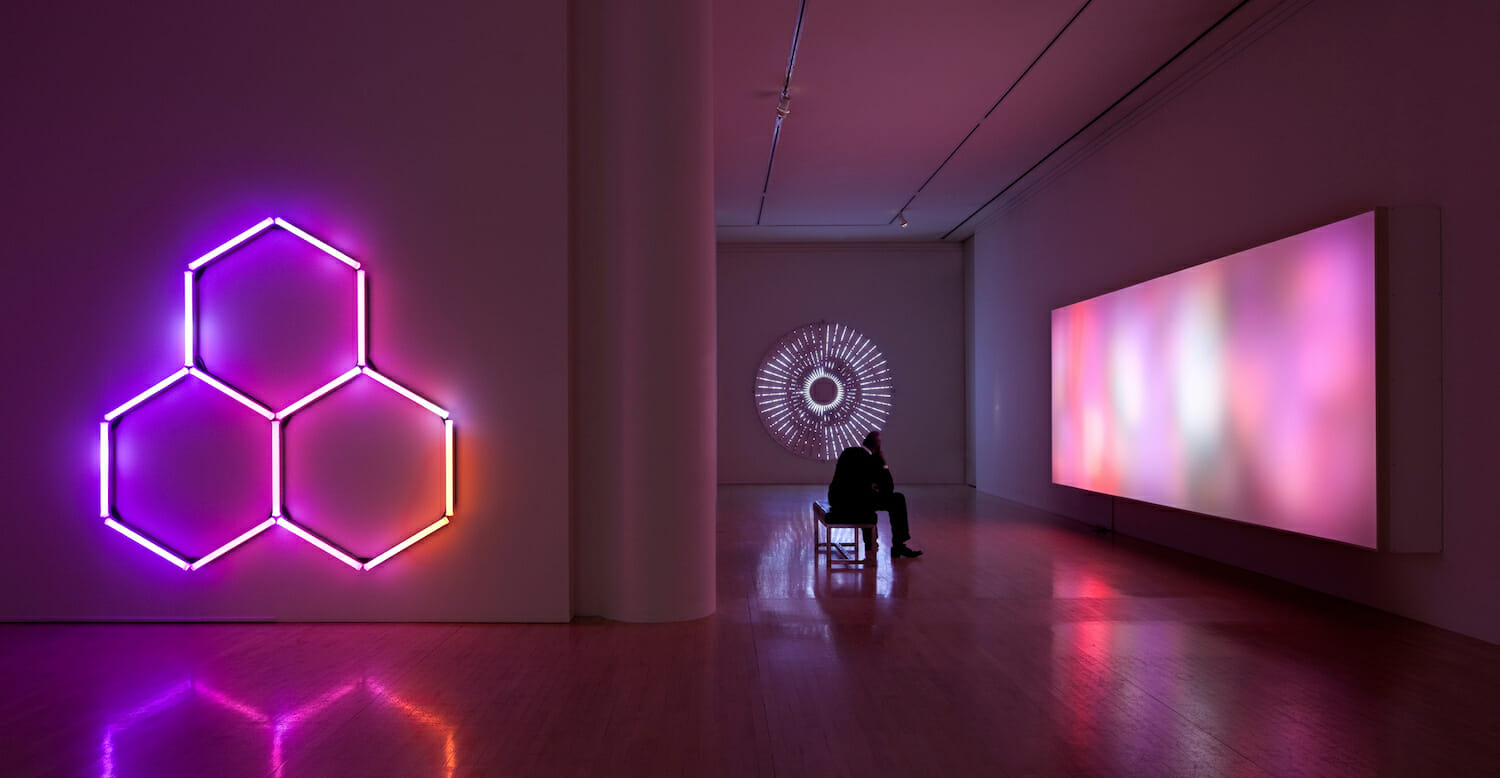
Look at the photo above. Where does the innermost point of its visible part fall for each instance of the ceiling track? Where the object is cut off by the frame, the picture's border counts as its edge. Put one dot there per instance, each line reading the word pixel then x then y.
pixel 1090 123
pixel 782 109
pixel 1008 90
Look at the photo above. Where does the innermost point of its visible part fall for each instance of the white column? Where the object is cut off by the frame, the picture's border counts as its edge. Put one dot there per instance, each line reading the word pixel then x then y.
pixel 642 254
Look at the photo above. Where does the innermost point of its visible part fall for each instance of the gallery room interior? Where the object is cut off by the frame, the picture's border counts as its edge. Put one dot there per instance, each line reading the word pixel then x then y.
pixel 445 389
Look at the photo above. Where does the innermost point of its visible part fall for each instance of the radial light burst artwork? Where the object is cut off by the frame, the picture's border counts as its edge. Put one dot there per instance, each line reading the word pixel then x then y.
pixel 820 388
pixel 193 368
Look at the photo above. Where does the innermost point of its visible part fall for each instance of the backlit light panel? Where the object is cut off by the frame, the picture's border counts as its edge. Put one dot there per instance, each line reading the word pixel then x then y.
pixel 1242 388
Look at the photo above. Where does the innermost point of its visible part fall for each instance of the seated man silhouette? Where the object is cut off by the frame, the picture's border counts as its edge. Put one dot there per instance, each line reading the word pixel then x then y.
pixel 862 484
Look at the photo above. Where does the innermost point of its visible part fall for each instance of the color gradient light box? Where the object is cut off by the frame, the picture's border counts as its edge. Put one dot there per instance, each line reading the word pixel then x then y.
pixel 1244 387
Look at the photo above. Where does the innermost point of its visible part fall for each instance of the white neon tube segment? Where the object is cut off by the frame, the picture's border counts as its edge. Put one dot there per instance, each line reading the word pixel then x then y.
pixel 448 445
pixel 223 387
pixel 231 243
pixel 104 470
pixel 227 547
pixel 187 319
pixel 319 542
pixel 331 251
pixel 359 320
pixel 137 537
pixel 403 545
pixel 319 392
pixel 404 392
pixel 146 395
pixel 275 469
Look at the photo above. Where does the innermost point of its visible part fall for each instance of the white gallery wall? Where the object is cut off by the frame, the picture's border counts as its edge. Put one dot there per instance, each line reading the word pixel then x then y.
pixel 907 298
pixel 137 137
pixel 1342 107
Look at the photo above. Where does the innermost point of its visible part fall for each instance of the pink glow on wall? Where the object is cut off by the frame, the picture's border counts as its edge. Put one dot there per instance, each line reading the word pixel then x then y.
pixel 195 369
pixel 1242 388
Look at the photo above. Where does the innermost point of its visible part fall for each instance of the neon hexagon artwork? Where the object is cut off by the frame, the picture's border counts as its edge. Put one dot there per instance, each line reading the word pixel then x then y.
pixel 193 368
pixel 820 388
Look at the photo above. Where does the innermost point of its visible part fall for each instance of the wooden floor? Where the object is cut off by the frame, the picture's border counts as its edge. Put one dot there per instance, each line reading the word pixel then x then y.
pixel 1019 645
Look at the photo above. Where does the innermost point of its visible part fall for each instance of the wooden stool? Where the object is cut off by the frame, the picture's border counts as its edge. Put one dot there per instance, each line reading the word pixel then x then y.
pixel 839 552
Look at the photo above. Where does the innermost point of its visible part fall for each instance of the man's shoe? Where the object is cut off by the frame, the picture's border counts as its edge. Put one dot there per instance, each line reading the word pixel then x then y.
pixel 900 550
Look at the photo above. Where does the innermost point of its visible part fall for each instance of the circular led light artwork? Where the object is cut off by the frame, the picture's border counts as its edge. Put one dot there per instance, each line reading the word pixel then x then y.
pixel 820 388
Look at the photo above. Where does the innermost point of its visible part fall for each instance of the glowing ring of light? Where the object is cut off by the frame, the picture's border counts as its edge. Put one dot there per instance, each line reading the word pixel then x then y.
pixel 192 366
pixel 784 397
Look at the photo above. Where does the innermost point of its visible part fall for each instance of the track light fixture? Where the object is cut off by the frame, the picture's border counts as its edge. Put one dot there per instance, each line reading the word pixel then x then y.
pixel 901 217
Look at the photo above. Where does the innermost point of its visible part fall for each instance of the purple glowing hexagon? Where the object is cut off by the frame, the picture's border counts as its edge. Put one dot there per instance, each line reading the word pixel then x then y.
pixel 190 456
pixel 275 317
pixel 376 381
pixel 820 388
pixel 193 367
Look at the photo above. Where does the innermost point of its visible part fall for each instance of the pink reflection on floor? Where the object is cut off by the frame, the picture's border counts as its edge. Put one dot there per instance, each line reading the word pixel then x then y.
pixel 172 733
pixel 1021 644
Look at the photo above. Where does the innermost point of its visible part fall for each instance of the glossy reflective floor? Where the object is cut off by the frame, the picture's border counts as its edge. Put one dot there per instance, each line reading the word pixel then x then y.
pixel 1020 645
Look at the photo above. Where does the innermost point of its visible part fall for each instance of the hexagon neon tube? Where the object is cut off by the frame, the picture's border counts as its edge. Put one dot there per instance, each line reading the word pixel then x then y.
pixel 141 539
pixel 187 319
pixel 448 451
pixel 227 547
pixel 319 542
pixel 403 545
pixel 319 392
pixel 275 469
pixel 404 392
pixel 225 388
pixel 146 395
pixel 359 322
pixel 231 243
pixel 104 470
pixel 331 251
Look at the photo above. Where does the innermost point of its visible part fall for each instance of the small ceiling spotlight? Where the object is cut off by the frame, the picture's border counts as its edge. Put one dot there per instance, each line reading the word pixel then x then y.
pixel 901 217
pixel 784 107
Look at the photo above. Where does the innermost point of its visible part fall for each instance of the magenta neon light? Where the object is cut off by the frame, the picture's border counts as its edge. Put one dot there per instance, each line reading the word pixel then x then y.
pixel 141 539
pixel 190 367
pixel 146 395
pixel 231 244
pixel 275 468
pixel 331 251
pixel 230 546
pixel 404 392
pixel 225 388
pixel 187 319
pixel 103 469
pixel 319 392
pixel 359 316
pixel 319 542
pixel 405 544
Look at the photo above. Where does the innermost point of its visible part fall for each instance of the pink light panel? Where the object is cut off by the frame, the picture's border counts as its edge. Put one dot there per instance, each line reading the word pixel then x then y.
pixel 1242 388
pixel 277 418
